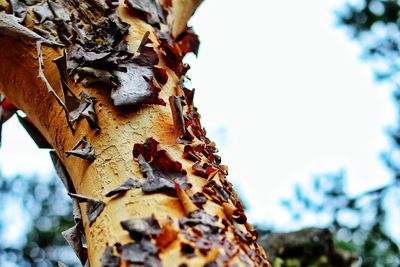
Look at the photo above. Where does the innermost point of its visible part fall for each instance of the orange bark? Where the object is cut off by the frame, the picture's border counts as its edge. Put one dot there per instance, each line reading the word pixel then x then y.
pixel 120 130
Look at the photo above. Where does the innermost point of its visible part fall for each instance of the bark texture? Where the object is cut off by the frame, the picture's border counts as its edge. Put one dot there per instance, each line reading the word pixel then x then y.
pixel 194 218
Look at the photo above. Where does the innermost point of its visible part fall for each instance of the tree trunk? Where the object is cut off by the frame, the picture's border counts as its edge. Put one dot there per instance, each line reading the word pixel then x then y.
pixel 178 209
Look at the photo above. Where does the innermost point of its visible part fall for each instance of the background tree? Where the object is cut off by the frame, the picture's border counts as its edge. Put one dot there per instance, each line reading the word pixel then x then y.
pixel 46 212
pixel 361 223
pixel 112 79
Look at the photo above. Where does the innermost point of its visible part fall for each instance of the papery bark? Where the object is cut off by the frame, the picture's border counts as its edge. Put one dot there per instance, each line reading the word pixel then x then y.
pixel 120 130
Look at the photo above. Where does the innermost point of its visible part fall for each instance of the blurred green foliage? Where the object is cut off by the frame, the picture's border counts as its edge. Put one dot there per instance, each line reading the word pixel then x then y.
pixel 34 212
pixel 375 25
pixel 361 224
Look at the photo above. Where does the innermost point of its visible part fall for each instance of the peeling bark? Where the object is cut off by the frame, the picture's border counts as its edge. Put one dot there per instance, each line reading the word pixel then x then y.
pixel 199 219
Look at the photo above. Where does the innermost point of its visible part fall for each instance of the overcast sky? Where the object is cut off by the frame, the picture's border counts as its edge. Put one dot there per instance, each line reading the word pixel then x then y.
pixel 284 94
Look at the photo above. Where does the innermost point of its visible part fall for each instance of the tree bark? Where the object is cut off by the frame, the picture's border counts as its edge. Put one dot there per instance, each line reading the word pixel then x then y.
pixel 232 238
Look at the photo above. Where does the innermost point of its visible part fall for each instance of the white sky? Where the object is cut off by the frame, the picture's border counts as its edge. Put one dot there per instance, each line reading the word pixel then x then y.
pixel 283 93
